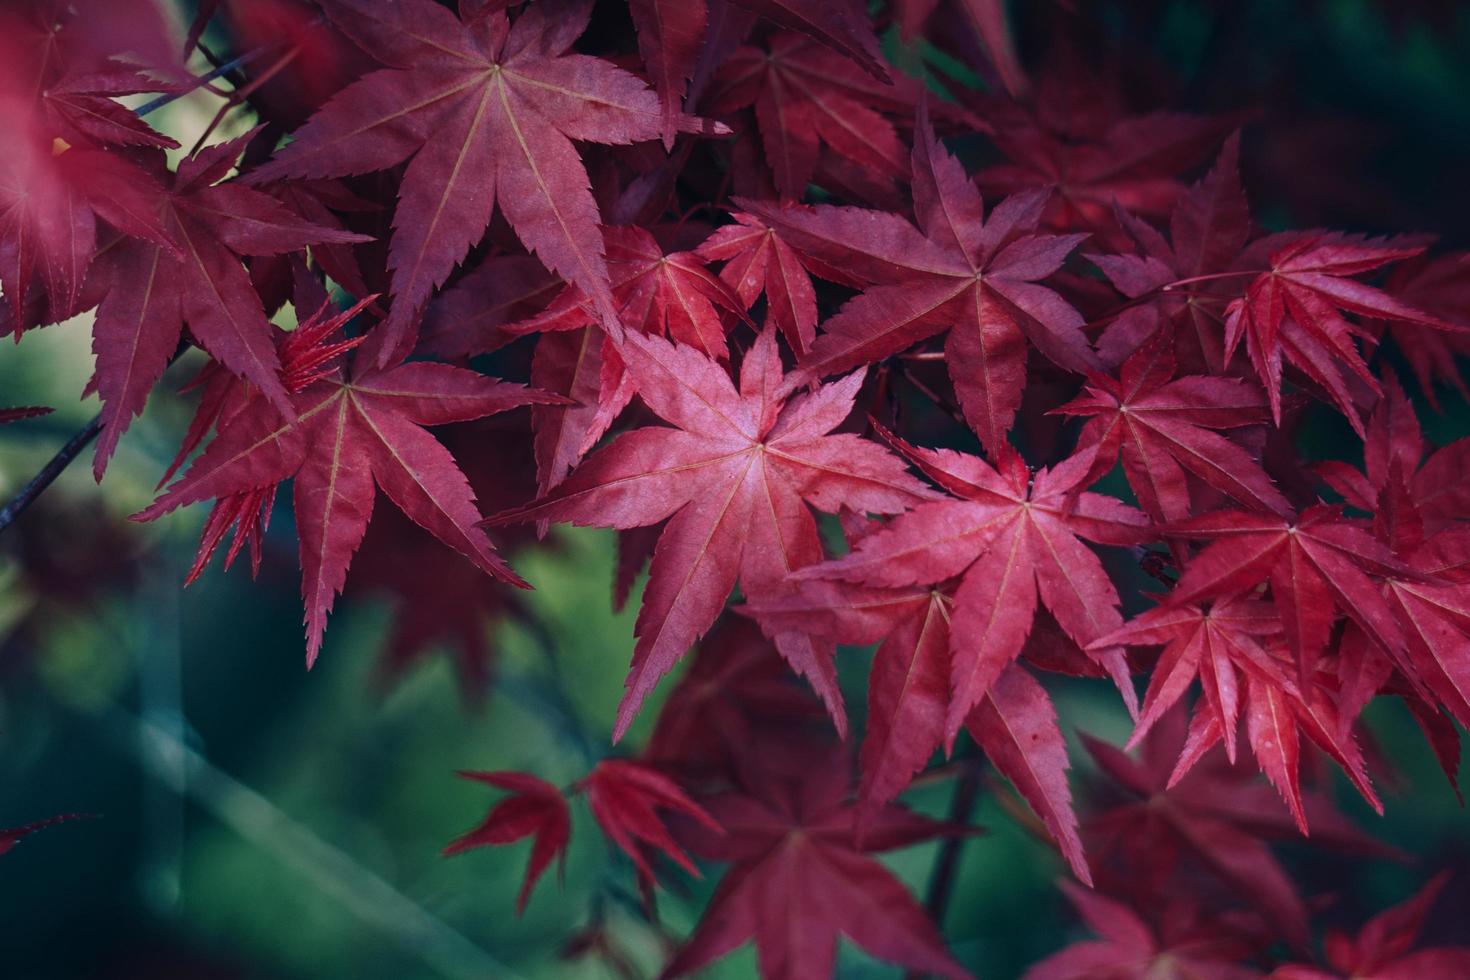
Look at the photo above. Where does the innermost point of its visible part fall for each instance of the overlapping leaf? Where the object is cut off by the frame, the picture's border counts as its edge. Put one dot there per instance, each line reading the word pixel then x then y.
pixel 341 437
pixel 958 272
pixel 734 482
pixel 486 110
pixel 1012 537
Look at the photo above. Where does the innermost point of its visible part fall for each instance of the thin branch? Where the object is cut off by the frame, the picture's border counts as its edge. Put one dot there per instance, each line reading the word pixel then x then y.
pixel 49 472
pixel 946 863
pixel 943 404
pixel 203 80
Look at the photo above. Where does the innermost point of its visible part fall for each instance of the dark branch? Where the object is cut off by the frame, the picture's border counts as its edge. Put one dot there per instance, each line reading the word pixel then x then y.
pixel 202 80
pixel 947 862
pixel 49 472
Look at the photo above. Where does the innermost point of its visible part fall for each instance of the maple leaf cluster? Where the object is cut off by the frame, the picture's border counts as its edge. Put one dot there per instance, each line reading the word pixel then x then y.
pixel 846 358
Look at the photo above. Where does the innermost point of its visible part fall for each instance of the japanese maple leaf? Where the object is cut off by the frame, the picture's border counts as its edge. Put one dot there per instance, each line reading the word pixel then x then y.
pixel 1009 534
pixel 468 317
pixel 58 83
pixel 758 261
pixel 1295 310
pixel 23 412
pixel 672 295
pixel 487 110
pixel 626 797
pixel 1241 674
pixel 1433 608
pixel 1162 427
pixel 960 273
pixel 535 809
pixel 737 684
pixel 1317 564
pixel 799 878
pixel 1384 948
pixel 1439 286
pixel 734 481
pixel 54 199
pixel 154 289
pixel 1183 281
pixel 1419 505
pixel 1128 948
pixel 1218 646
pixel 342 436
pixel 1158 833
pixel 1091 154
pixel 908 699
pixel 806 97
pixel 458 608
pixel 842 25
pixel 671 34
pixel 1396 457
pixel 11 836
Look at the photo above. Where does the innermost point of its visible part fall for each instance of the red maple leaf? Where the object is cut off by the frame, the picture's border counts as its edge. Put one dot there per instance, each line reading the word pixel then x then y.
pixel 1295 310
pixel 668 295
pixel 1418 505
pixel 11 836
pixel 1157 833
pixel 1161 426
pixel 807 97
pixel 194 278
pixel 59 76
pixel 800 877
pixel 23 412
pixel 733 481
pixel 458 609
pixel 1074 137
pixel 1218 646
pixel 487 110
pixel 1317 563
pixel 468 317
pixel 1008 534
pixel 1384 947
pixel 1439 286
pixel 758 261
pixel 736 685
pixel 1186 944
pixel 975 278
pixel 535 809
pixel 988 20
pixel 343 434
pixel 1226 646
pixel 1183 281
pixel 626 798
pixel 908 698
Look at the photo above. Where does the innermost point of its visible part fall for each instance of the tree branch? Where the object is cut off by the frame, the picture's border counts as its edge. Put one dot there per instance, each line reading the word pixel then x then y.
pixel 49 472
pixel 946 863
pixel 202 80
